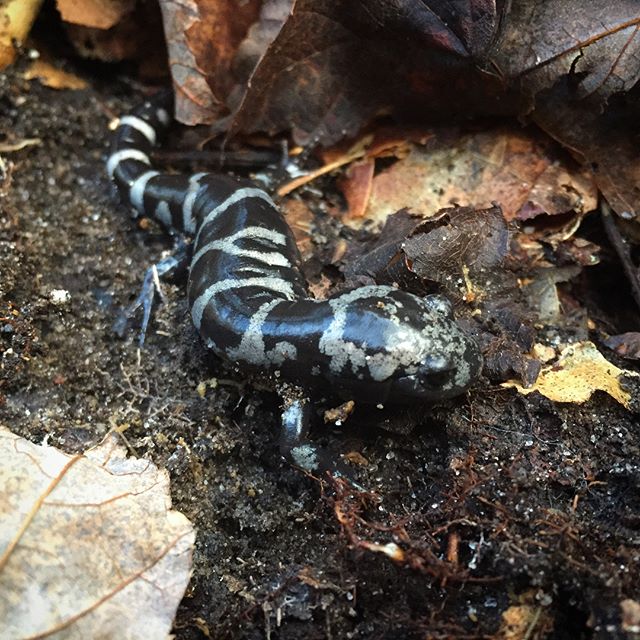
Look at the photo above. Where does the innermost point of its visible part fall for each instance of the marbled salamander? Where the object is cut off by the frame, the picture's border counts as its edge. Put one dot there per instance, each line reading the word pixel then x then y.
pixel 249 299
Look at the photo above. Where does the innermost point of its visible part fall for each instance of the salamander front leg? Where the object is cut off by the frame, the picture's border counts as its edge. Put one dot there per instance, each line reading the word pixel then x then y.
pixel 170 267
pixel 294 444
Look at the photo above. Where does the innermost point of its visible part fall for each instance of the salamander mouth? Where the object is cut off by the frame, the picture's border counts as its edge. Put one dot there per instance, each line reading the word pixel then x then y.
pixel 439 378
pixel 435 385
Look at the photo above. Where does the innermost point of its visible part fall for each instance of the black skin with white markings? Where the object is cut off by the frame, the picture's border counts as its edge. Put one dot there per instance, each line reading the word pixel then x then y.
pixel 249 299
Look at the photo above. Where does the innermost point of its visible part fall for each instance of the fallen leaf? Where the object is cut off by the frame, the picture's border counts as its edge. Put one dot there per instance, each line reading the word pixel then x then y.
pixel 89 543
pixel 100 14
pixel 202 39
pixel 356 187
pixel 334 64
pixel 571 59
pixel 456 249
pixel 542 292
pixel 465 241
pixel 53 77
pixel 516 169
pixel 16 18
pixel 580 370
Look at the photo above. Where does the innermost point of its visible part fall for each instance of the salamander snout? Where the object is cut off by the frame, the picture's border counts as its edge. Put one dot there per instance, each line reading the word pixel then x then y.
pixel 443 373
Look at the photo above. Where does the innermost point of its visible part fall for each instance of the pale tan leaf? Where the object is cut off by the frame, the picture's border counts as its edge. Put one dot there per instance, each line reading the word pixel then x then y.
pixel 89 545
pixel 16 18
pixel 580 370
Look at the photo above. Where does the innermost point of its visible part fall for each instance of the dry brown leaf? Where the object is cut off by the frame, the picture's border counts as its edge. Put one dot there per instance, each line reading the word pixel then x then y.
pixel 89 542
pixel 100 14
pixel 580 370
pixel 53 77
pixel 202 38
pixel 300 218
pixel 503 165
pixel 357 186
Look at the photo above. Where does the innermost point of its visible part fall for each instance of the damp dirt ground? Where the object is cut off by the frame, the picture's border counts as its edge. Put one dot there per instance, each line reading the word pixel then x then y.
pixel 510 514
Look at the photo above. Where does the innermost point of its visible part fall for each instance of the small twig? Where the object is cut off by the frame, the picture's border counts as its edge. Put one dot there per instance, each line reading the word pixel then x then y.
pixel 621 247
pixel 242 159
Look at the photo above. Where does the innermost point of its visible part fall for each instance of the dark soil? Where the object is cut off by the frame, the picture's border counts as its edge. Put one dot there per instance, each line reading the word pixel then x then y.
pixel 496 501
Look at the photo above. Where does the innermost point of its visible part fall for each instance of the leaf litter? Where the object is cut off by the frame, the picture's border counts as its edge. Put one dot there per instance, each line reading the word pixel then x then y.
pixel 88 542
pixel 495 217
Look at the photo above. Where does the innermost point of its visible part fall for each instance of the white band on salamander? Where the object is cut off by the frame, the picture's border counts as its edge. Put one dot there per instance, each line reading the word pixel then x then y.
pixel 125 154
pixel 136 193
pixel 188 223
pixel 234 198
pixel 279 285
pixel 139 125
pixel 163 213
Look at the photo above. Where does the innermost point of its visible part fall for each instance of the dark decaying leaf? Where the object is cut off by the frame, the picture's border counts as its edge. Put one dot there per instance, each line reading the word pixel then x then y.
pixel 626 345
pixel 464 239
pixel 457 245
pixel 336 63
pixel 571 60
pixel 596 43
pixel 504 360
pixel 384 260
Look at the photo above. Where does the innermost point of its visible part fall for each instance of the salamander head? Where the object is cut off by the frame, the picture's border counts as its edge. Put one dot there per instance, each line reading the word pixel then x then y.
pixel 397 347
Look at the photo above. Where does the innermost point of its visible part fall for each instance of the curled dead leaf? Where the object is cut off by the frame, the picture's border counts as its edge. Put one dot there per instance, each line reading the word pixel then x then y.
pixel 202 39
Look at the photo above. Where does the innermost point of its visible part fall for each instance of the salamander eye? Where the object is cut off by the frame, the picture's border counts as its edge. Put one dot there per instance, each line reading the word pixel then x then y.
pixel 439 304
